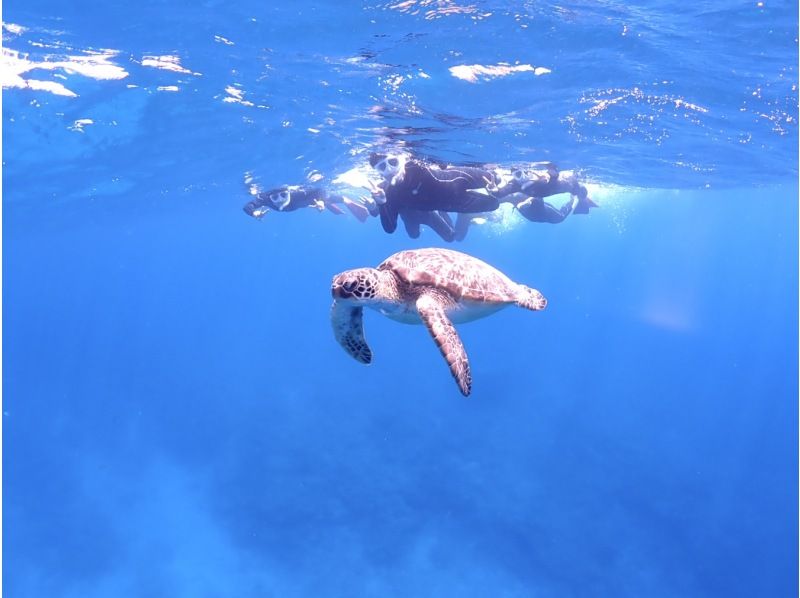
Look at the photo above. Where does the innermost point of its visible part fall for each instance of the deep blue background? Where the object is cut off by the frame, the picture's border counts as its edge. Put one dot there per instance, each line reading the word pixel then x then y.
pixel 178 420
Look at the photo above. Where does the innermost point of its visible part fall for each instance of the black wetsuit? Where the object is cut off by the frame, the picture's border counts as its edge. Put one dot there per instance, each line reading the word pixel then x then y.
pixel 546 186
pixel 439 222
pixel 462 226
pixel 538 210
pixel 299 197
pixel 428 188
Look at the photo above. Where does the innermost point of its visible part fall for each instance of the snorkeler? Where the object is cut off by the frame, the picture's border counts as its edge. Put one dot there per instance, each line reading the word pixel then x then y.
pixel 293 197
pixel 411 184
pixel 538 185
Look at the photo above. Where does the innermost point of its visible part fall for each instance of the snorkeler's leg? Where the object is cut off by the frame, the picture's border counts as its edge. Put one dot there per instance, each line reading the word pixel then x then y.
pixel 411 223
pixel 536 209
pixel 358 210
pixel 388 215
pixel 462 226
pixel 334 208
pixel 553 216
pixel 584 203
pixel 441 224
pixel 567 208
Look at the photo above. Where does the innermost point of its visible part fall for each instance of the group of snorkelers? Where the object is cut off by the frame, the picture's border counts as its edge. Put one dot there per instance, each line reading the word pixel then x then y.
pixel 420 193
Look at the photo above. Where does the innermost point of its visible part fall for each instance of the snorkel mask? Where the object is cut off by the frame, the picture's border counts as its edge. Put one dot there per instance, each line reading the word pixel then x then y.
pixel 280 198
pixel 525 178
pixel 521 177
pixel 547 171
pixel 390 166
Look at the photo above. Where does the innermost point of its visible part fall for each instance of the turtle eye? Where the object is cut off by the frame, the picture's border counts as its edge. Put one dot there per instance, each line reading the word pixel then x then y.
pixel 517 175
pixel 350 285
pixel 393 162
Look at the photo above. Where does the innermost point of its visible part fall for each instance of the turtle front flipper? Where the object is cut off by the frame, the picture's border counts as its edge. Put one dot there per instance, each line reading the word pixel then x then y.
pixel 529 298
pixel 431 309
pixel 348 328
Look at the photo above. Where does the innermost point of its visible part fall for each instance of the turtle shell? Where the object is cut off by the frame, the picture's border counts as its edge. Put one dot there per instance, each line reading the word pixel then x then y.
pixel 460 275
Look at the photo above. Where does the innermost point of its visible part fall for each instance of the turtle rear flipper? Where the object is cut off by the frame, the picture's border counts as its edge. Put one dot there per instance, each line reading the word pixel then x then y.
pixel 431 309
pixel 529 298
pixel 348 328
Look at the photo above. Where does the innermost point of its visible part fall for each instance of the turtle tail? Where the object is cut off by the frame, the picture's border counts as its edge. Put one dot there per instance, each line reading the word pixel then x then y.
pixel 530 298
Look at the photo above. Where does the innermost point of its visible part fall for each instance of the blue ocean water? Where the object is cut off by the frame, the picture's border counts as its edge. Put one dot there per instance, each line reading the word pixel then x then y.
pixel 178 419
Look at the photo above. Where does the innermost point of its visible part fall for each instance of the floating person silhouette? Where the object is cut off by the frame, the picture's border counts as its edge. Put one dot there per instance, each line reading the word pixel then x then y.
pixel 538 185
pixel 410 185
pixel 422 193
pixel 289 198
pixel 526 190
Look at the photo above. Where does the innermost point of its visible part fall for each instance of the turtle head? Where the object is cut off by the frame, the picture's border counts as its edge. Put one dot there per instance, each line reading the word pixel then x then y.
pixel 361 285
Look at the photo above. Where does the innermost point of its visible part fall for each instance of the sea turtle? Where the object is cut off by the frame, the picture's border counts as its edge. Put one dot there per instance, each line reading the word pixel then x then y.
pixel 435 287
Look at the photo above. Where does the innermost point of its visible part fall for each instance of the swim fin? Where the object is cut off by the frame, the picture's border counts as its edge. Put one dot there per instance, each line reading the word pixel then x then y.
pixel 584 205
pixel 356 209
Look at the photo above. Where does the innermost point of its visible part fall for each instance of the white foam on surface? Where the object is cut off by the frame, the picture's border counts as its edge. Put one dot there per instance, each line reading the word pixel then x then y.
pixel 475 72
pixel 167 62
pixel 79 124
pixel 94 65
